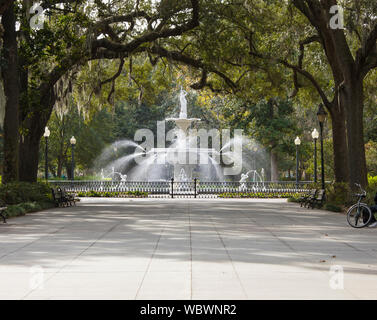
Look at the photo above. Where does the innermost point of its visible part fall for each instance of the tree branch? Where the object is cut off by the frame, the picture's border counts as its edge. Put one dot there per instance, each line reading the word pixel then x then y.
pixel 370 43
pixel 307 41
pixel 149 36
pixel 305 73
pixel 116 75
pixel 198 64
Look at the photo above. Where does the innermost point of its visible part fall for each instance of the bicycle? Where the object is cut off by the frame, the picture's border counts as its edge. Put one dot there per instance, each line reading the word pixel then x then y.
pixel 359 215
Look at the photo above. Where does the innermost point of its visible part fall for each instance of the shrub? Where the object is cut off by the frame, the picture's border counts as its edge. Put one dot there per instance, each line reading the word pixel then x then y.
pixel 113 194
pixel 14 211
pixel 23 208
pixel 21 192
pixel 259 195
pixel 31 206
pixel 332 207
pixel 339 193
pixel 371 190
pixel 372 181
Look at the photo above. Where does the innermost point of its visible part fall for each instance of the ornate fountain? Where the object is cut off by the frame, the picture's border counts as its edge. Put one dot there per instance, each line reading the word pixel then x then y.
pixel 183 170
pixel 183 160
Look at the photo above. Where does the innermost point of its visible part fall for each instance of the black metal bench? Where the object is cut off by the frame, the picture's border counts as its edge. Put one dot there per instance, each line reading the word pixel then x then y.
pixel 68 198
pixel 2 214
pixel 318 200
pixel 58 198
pixel 304 200
pixel 3 207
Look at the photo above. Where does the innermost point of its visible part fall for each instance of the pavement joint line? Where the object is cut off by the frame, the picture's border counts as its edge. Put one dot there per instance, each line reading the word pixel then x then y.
pixel 190 233
pixel 74 258
pixel 153 254
pixel 328 237
pixel 303 255
pixel 229 257
pixel 258 229
pixel 30 243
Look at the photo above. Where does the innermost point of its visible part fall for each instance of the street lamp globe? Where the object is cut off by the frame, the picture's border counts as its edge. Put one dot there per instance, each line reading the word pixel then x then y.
pixel 47 133
pixel 297 141
pixel 73 140
pixel 315 134
pixel 321 114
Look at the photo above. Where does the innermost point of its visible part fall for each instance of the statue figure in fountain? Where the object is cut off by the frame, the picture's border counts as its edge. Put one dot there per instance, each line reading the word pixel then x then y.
pixel 183 176
pixel 182 99
pixel 244 177
pixel 123 177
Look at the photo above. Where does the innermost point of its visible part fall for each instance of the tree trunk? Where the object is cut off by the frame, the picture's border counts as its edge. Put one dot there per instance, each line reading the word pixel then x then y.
pixel 4 5
pixel 340 149
pixel 29 157
pixel 34 127
pixel 274 166
pixel 60 167
pixel 68 168
pixel 353 97
pixel 12 94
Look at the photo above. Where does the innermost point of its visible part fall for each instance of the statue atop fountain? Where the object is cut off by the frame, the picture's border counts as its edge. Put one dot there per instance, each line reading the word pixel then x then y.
pixel 183 101
pixel 242 181
pixel 183 123
pixel 183 176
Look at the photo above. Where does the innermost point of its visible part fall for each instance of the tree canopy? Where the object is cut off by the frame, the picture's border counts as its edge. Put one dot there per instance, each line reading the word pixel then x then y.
pixel 90 56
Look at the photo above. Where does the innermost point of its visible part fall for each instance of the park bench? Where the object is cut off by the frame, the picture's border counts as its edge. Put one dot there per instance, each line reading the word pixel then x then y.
pixel 3 207
pixel 69 198
pixel 318 200
pixel 305 199
pixel 59 198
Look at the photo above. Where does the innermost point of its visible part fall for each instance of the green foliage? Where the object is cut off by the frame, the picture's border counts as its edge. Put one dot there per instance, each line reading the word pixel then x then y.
pixel 371 155
pixel 372 181
pixel 339 194
pixel 333 207
pixel 293 199
pixel 26 207
pixel 20 192
pixel 273 124
pixel 91 135
pixel 371 190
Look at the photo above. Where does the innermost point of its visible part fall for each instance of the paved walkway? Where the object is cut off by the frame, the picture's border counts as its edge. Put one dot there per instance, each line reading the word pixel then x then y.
pixel 186 249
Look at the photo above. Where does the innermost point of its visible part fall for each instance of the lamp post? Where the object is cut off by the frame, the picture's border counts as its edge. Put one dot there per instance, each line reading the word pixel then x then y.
pixel 322 114
pixel 73 143
pixel 46 135
pixel 297 143
pixel 315 136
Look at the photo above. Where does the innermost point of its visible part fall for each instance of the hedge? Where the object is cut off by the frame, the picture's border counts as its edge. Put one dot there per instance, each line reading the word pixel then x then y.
pixel 23 197
pixel 113 194
pixel 26 207
pixel 259 195
pixel 22 192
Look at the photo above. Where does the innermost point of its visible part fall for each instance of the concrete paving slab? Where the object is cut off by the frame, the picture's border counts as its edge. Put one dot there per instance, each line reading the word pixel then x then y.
pixel 186 249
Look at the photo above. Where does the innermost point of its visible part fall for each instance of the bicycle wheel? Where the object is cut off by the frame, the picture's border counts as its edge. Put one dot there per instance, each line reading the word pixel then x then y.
pixel 359 216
